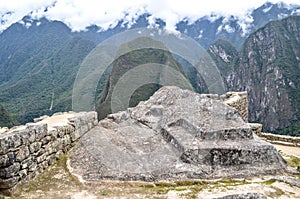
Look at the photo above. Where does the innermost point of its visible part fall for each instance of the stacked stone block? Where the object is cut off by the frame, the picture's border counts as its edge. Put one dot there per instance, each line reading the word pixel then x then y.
pixel 238 100
pixel 26 151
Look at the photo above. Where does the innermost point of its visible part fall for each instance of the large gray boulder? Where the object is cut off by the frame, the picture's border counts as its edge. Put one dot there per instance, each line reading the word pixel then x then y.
pixel 175 134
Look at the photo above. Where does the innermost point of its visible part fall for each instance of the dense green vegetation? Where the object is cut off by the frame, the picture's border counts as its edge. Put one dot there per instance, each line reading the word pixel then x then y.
pixel 292 130
pixel 38 68
pixel 287 44
pixel 5 119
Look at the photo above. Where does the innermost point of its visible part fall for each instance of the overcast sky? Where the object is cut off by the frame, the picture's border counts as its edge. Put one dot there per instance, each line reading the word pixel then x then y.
pixel 79 14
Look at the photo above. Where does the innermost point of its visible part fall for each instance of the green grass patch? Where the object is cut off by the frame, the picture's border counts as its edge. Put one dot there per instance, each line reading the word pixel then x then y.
pixel 293 161
pixel 104 192
pixel 191 183
pixel 269 182
pixel 277 193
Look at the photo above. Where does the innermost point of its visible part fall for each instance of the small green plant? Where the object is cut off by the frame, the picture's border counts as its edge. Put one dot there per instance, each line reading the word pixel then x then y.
pixel 269 182
pixel 164 184
pixel 104 192
pixel 293 161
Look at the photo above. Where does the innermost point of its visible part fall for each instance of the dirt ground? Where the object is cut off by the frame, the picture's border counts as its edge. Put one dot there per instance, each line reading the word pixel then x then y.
pixel 57 182
pixel 289 150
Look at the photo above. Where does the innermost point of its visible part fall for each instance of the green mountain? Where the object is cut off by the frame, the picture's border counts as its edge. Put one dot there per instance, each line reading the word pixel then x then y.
pixel 5 119
pixel 130 59
pixel 38 67
pixel 268 67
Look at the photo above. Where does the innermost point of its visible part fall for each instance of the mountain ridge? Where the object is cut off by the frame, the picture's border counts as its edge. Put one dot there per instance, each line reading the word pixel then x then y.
pixel 268 68
pixel 205 30
pixel 39 62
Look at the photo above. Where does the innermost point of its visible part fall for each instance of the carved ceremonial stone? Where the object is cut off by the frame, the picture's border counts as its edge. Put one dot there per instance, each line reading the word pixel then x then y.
pixel 176 134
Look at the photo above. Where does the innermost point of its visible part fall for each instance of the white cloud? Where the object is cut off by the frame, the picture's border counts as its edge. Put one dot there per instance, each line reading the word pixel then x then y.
pixel 229 29
pixel 79 14
pixel 18 10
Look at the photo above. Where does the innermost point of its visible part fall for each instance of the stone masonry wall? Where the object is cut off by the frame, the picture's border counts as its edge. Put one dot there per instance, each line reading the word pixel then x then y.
pixel 281 139
pixel 238 100
pixel 26 151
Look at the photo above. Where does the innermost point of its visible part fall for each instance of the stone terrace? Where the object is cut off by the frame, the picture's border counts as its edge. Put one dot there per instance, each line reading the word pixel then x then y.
pixel 26 151
pixel 176 134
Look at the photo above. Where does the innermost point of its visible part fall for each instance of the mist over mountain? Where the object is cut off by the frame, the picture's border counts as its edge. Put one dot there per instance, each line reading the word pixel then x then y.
pixel 210 28
pixel 207 29
pixel 40 58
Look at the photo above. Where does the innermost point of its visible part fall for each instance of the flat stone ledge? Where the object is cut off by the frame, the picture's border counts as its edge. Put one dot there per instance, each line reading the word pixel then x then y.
pixel 295 141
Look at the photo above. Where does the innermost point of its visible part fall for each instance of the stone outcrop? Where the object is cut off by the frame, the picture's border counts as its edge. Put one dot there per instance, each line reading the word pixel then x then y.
pixel 3 129
pixel 242 196
pixel 256 128
pixel 176 134
pixel 26 151
pixel 238 100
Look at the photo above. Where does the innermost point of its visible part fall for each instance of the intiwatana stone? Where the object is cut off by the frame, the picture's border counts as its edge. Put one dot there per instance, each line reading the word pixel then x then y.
pixel 175 134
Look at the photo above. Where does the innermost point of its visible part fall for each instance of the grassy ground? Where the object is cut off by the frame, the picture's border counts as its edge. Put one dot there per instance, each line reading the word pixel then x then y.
pixel 57 182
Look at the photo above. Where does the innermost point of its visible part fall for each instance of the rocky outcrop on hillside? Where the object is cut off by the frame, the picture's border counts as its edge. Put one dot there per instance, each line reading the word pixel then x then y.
pixel 268 68
pixel 175 134
pixel 224 54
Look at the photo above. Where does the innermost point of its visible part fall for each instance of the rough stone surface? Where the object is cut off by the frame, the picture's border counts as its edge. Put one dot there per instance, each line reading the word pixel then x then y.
pixel 3 129
pixel 238 100
pixel 26 151
pixel 242 196
pixel 256 128
pixel 289 180
pixel 176 134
